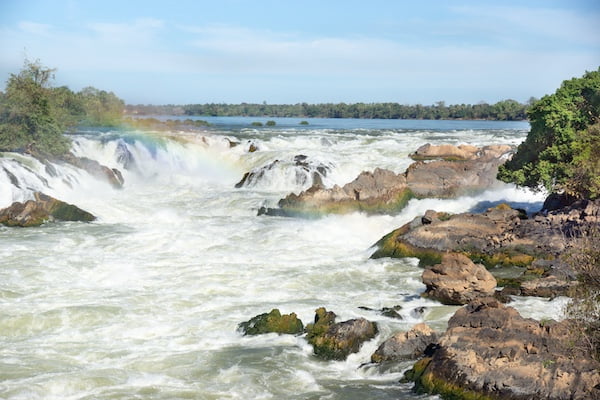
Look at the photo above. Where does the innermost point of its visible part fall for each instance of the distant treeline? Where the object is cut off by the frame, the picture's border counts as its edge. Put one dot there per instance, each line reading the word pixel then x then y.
pixel 506 110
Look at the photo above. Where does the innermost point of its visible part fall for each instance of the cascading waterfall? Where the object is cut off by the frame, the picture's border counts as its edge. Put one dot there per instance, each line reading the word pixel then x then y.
pixel 145 301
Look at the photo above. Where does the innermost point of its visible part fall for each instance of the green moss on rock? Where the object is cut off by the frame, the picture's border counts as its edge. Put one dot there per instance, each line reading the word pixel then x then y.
pixel 272 322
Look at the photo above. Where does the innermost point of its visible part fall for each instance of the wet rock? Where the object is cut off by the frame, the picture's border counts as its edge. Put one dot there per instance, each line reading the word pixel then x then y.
pixel 409 345
pixel 390 312
pixel 97 170
pixel 43 209
pixel 383 191
pixel 499 236
pixel 372 192
pixel 490 351
pixel 273 322
pixel 304 170
pixel 335 341
pixel 457 280
pixel 124 156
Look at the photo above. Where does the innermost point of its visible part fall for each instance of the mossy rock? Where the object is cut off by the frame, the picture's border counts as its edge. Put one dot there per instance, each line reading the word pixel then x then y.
pixel 273 322
pixel 391 246
pixel 335 341
pixel 426 382
pixel 295 208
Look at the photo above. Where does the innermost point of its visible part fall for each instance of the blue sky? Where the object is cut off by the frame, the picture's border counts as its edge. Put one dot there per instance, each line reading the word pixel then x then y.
pixel 236 51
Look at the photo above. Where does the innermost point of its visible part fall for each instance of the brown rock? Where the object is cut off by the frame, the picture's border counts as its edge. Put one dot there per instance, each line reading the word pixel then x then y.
pixel 490 350
pixel 457 280
pixel 406 345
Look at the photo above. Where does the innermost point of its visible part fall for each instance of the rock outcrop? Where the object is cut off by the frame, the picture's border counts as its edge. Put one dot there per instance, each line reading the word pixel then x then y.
pixel 273 322
pixel 335 341
pixel 455 171
pixel 489 351
pixel 457 280
pixel 498 236
pixel 303 170
pixel 409 345
pixel 43 209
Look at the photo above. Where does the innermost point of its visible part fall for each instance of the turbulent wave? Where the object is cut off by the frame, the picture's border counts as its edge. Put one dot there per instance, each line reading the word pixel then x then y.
pixel 145 301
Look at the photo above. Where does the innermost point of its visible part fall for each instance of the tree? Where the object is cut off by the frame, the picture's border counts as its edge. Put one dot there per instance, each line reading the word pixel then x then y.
pixel 26 112
pixel 560 151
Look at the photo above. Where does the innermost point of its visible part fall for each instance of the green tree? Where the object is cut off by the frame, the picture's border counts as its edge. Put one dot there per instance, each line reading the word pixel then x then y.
pixel 560 150
pixel 100 108
pixel 26 113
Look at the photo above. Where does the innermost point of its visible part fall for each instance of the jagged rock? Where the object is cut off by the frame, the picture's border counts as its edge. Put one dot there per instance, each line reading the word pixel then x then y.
pixel 457 280
pixel 273 322
pixel 390 312
pixel 43 209
pixel 383 191
pixel 409 345
pixel 335 341
pixel 490 351
pixel 303 167
pixel 377 191
pixel 94 168
pixel 499 236
pixel 124 156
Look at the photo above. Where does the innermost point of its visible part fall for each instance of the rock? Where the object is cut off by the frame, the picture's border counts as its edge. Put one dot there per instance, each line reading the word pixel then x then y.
pixel 409 345
pixel 124 156
pixel 303 170
pixel 499 236
pixel 97 170
pixel 549 286
pixel 335 341
pixel 457 280
pixel 372 192
pixel 556 201
pixel 43 209
pixel 390 312
pixel 490 351
pixel 273 322
pixel 383 191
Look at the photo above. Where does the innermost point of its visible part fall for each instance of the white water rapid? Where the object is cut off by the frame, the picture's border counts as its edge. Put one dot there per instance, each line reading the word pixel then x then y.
pixel 144 303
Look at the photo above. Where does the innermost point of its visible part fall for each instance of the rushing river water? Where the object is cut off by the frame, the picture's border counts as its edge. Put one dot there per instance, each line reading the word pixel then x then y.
pixel 144 303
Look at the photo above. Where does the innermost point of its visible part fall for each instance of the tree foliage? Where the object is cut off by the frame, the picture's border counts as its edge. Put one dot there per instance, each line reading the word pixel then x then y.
pixel 507 110
pixel 34 113
pixel 561 149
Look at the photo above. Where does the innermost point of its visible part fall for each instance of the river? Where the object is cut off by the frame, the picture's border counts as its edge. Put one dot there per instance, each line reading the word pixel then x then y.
pixel 144 303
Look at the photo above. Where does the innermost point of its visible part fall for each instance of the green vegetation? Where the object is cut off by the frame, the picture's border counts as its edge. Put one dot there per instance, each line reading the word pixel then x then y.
pixel 35 114
pixel 506 110
pixel 562 147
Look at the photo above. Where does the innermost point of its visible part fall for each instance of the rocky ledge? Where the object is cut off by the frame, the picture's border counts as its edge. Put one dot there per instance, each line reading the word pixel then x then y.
pixel 43 209
pixel 489 351
pixel 441 171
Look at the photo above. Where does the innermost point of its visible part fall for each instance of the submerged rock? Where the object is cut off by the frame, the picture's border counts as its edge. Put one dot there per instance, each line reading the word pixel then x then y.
pixel 336 341
pixel 457 280
pixel 273 322
pixel 409 345
pixel 43 209
pixel 489 351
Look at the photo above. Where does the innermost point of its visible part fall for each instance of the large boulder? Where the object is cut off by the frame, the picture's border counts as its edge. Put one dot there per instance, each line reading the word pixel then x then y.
pixel 301 169
pixel 43 209
pixel 272 322
pixel 409 345
pixel 336 341
pixel 453 171
pixel 457 280
pixel 490 351
pixel 498 236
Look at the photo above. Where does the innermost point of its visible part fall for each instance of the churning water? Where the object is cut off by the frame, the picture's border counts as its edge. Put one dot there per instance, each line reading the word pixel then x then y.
pixel 144 303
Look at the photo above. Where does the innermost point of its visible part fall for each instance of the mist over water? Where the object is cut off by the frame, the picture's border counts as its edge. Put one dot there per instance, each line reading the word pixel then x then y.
pixel 145 301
